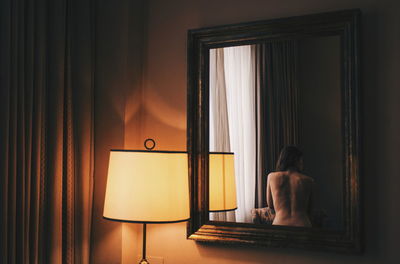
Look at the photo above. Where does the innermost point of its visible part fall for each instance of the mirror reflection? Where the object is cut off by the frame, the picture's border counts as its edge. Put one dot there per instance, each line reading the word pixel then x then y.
pixel 275 133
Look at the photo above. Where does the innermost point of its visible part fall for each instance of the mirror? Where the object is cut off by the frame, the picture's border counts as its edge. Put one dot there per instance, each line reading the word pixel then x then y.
pixel 259 87
pixel 270 96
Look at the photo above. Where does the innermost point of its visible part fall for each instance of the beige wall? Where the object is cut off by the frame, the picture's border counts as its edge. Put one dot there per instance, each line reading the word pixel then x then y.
pixel 161 114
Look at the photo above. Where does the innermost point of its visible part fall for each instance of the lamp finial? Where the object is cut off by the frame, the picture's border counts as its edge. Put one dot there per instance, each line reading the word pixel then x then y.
pixel 152 144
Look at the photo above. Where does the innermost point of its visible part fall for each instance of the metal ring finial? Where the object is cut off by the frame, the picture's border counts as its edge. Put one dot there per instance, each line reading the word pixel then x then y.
pixel 151 147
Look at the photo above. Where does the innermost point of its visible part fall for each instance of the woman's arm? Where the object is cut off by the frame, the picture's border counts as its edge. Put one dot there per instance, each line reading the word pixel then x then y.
pixel 270 202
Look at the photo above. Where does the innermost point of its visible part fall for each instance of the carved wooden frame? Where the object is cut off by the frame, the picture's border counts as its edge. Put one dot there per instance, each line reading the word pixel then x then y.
pixel 344 23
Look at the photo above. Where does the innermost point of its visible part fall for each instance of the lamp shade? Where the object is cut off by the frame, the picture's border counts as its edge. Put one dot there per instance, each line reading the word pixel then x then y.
pixel 147 186
pixel 222 182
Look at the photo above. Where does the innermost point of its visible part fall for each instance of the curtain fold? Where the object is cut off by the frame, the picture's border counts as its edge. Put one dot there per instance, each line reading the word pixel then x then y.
pixel 219 122
pixel 278 98
pixel 46 130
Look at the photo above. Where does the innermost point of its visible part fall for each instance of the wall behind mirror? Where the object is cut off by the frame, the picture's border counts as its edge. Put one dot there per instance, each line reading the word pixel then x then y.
pixel 269 95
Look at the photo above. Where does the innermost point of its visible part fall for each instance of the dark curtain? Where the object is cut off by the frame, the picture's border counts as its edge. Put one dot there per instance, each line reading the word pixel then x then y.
pixel 46 130
pixel 277 107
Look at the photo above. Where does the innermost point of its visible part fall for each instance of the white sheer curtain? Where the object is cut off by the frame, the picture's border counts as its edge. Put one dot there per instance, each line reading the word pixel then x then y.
pixel 232 87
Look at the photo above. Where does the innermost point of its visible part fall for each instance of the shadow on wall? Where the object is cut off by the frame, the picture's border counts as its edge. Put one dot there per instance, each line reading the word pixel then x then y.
pixel 163 111
pixel 134 105
pixel 164 122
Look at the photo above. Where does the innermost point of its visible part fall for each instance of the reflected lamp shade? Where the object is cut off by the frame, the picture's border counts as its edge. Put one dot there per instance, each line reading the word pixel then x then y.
pixel 147 187
pixel 222 184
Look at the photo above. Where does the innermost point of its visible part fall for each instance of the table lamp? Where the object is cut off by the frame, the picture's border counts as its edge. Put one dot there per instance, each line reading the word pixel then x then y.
pixel 145 186
pixel 222 183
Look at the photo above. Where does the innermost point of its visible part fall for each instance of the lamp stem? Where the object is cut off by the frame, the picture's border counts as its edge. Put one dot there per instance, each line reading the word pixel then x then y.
pixel 144 242
pixel 144 260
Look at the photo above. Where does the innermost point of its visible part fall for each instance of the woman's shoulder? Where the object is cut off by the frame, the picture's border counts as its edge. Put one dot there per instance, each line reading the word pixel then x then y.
pixel 276 174
pixel 272 173
pixel 306 177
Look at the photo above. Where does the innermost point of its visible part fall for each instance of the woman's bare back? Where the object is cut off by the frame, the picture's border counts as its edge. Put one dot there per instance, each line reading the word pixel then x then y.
pixel 289 193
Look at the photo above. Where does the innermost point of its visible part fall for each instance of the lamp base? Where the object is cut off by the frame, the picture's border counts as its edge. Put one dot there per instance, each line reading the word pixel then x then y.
pixel 144 261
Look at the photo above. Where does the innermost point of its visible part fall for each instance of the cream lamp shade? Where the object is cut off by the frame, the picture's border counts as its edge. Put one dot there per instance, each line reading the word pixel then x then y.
pixel 222 184
pixel 147 186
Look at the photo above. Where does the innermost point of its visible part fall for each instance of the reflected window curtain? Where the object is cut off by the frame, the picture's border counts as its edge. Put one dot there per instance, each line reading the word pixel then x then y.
pixel 219 124
pixel 46 130
pixel 239 70
pixel 278 97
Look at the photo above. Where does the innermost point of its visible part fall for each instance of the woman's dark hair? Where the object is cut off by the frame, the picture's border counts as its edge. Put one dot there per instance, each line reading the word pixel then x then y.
pixel 289 158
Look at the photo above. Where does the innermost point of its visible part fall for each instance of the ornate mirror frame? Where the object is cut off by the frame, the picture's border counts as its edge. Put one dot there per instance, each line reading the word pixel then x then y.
pixel 344 23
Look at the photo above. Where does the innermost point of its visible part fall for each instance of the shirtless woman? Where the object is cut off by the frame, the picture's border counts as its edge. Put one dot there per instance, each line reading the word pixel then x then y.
pixel 289 192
